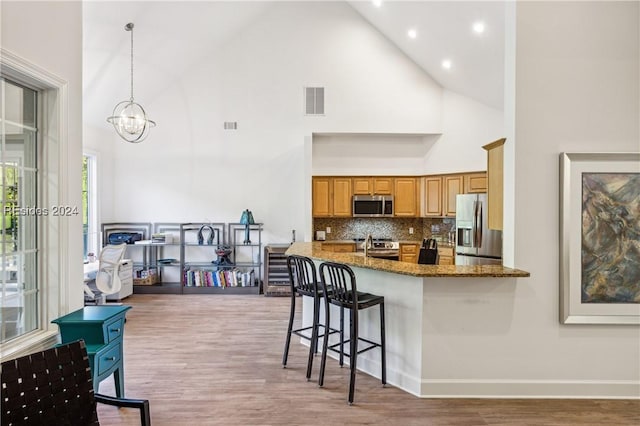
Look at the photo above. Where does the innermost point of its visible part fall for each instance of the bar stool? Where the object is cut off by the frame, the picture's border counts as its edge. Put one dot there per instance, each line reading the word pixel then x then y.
pixel 303 281
pixel 343 293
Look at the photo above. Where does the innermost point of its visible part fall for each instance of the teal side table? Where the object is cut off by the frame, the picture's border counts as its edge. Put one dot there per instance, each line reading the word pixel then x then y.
pixel 102 328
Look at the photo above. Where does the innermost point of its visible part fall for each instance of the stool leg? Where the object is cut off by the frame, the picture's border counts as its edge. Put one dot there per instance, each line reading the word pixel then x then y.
pixel 325 345
pixel 288 341
pixel 313 345
pixel 383 346
pixel 353 354
pixel 341 336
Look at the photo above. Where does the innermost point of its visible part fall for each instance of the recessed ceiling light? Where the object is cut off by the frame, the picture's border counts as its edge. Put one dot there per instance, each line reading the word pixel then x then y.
pixel 478 27
pixel 377 3
pixel 446 64
pixel 412 33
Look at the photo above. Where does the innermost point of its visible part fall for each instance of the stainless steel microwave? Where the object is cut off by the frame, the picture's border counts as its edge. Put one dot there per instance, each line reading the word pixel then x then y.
pixel 372 205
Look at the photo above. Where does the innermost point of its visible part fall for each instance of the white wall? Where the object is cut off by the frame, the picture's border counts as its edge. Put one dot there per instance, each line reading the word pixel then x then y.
pixel 49 36
pixel 577 90
pixel 467 126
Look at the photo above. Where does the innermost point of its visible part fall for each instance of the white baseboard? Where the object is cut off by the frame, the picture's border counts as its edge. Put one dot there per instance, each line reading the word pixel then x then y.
pixel 578 389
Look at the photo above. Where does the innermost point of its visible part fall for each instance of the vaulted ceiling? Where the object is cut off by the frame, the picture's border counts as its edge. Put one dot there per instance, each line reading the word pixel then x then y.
pixel 172 36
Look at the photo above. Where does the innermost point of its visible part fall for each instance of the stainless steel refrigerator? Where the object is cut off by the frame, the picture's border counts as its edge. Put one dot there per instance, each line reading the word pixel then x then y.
pixel 475 243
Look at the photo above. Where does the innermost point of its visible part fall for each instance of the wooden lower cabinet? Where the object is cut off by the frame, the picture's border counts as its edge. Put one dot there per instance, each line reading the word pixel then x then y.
pixel 409 252
pixel 339 247
pixel 446 256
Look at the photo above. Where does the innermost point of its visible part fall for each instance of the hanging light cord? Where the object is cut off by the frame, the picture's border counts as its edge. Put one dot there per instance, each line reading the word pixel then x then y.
pixel 129 27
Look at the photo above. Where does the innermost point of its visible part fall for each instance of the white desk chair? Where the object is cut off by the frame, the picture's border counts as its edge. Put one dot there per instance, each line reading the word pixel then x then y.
pixel 107 279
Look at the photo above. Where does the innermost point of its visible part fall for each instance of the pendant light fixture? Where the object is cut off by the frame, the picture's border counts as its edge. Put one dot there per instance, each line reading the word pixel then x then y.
pixel 129 118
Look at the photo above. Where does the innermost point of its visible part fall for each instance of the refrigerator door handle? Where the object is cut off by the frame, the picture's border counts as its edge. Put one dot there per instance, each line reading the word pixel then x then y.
pixel 479 225
pixel 475 224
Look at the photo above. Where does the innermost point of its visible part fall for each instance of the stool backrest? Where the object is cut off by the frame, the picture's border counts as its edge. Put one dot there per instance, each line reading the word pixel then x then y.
pixel 341 280
pixel 302 274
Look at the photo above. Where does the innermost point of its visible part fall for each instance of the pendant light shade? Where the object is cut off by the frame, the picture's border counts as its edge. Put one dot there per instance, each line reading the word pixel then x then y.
pixel 129 118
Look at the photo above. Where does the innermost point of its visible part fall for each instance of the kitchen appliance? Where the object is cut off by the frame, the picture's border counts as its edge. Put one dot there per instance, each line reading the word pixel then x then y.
pixel 476 244
pixel 372 205
pixel 382 248
pixel 321 236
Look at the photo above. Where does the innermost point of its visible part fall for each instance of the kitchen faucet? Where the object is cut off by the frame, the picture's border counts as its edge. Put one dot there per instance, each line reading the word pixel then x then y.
pixel 368 243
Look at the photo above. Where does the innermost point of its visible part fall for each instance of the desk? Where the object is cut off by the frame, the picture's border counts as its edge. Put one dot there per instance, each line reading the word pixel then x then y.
pixel 102 328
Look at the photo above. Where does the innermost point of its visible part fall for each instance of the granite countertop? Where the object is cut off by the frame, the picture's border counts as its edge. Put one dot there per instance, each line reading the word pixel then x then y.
pixel 357 259
pixel 400 241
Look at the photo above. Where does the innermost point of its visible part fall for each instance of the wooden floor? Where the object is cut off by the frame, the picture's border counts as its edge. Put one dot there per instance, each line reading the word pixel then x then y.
pixel 216 360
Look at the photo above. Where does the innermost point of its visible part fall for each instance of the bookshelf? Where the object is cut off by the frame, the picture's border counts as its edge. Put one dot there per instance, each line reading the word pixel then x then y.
pixel 213 261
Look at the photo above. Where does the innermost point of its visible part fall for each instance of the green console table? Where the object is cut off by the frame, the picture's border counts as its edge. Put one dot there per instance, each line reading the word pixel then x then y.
pixel 102 328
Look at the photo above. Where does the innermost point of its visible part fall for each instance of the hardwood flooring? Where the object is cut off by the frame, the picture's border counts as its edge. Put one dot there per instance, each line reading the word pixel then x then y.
pixel 216 360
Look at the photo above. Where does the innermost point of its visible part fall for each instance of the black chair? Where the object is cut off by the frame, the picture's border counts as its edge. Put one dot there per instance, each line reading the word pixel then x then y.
pixel 303 281
pixel 54 387
pixel 343 293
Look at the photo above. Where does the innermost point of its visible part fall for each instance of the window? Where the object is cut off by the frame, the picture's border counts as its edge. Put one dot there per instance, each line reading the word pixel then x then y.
pixel 38 279
pixel 19 292
pixel 89 205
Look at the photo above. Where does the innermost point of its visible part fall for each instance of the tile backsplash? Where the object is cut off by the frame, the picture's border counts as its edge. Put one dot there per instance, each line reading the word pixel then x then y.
pixel 394 228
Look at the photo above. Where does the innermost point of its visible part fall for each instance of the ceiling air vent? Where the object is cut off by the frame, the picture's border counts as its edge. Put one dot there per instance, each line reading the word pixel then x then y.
pixel 314 100
pixel 230 125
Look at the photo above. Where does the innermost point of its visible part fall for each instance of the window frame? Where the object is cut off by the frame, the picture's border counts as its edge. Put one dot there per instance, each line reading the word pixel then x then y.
pixel 93 220
pixel 53 165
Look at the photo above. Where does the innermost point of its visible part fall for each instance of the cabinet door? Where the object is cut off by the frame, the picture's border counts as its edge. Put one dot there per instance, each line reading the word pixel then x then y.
pixel 406 197
pixel 321 197
pixel 475 183
pixel 495 183
pixel 452 187
pixel 433 196
pixel 342 197
pixel 383 186
pixel 362 186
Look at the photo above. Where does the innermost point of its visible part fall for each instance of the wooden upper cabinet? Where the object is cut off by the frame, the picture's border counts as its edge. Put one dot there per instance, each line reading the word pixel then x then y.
pixel 432 196
pixel 495 183
pixel 406 197
pixel 362 186
pixel 342 196
pixel 475 183
pixel 452 186
pixel 321 197
pixel 331 196
pixel 372 186
pixel 382 186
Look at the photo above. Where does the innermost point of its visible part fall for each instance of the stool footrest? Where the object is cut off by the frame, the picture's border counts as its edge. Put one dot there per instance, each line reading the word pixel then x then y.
pixel 373 345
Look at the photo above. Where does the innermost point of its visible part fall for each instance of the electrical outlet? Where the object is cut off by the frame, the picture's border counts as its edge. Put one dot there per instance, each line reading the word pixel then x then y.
pixel 411 231
pixel 328 229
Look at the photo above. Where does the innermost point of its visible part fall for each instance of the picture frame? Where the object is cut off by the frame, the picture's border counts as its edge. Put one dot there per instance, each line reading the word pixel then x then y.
pixel 599 224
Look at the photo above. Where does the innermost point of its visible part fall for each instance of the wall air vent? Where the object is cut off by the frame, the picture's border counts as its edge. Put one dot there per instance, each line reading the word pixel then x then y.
pixel 314 100
pixel 230 125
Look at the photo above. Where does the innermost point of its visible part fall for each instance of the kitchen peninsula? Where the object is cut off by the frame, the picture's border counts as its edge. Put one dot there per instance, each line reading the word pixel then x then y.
pixel 420 311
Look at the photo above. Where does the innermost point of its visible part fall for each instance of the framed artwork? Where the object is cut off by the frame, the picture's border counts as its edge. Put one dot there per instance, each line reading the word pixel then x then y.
pixel 600 238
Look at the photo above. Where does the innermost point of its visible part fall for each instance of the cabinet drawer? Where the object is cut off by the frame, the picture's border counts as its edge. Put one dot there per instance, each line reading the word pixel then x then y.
pixel 445 251
pixel 409 248
pixel 343 248
pixel 107 358
pixel 114 329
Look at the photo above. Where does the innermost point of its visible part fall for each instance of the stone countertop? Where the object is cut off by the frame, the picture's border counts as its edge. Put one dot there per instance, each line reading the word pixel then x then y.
pixel 357 259
pixel 419 242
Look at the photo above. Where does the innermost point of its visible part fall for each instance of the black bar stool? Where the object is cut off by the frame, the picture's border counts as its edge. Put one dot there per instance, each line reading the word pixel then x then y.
pixel 303 281
pixel 341 281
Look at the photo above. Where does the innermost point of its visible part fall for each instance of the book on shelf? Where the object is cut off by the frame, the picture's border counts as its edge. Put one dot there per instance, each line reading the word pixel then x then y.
pixel 219 278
